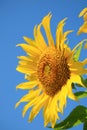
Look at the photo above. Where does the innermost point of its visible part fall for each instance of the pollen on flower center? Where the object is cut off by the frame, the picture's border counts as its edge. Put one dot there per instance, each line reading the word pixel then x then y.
pixel 53 71
pixel 47 70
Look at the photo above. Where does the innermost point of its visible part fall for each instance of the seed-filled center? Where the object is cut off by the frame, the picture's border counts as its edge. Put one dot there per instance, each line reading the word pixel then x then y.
pixel 53 71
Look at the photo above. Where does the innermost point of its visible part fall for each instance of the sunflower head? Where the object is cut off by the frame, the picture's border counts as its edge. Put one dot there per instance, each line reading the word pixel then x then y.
pixel 53 71
pixel 50 69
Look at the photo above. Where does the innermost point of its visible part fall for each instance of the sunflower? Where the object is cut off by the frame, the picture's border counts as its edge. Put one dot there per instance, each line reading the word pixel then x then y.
pixel 50 70
pixel 83 28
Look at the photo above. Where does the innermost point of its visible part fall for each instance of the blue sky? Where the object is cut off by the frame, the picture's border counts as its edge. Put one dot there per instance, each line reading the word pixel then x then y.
pixel 17 19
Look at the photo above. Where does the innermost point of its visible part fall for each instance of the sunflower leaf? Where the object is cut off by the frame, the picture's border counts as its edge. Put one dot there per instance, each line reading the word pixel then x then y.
pixel 84 81
pixel 85 125
pixel 77 54
pixel 76 117
pixel 81 94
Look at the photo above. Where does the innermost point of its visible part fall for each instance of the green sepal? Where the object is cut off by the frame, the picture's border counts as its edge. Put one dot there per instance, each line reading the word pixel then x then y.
pixel 76 117
pixel 77 53
pixel 81 94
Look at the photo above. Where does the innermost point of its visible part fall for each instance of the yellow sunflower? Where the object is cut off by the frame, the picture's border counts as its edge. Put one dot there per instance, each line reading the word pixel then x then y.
pixel 50 70
pixel 83 28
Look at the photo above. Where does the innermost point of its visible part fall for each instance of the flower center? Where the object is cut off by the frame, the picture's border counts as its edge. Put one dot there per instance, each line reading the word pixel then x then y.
pixel 53 71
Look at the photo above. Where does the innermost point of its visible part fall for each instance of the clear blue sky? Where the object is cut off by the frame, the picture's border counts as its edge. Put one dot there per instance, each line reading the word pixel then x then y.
pixel 17 19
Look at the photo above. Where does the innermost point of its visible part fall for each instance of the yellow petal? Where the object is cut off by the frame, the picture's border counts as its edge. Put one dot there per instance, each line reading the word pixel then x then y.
pixel 30 41
pixel 83 12
pixel 83 28
pixel 26 98
pixel 30 64
pixel 34 58
pixel 67 52
pixel 85 46
pixel 26 58
pixel 30 104
pixel 76 79
pixel 25 69
pixel 78 67
pixel 80 71
pixel 70 94
pixel 39 38
pixel 51 112
pixel 31 77
pixel 65 35
pixel 59 34
pixel 37 107
pixel 63 97
pixel 30 50
pixel 27 85
pixel 85 16
pixel 46 112
pixel 46 25
pixel 69 87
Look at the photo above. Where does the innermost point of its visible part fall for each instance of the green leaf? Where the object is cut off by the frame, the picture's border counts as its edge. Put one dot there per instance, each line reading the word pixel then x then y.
pixel 85 126
pixel 77 54
pixel 76 117
pixel 81 94
pixel 84 81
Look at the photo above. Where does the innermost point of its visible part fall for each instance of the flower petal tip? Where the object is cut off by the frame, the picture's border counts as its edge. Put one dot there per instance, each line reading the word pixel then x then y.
pixel 23 114
pixel 79 32
pixel 50 14
pixel 24 37
pixel 65 18
pixel 17 45
pixel 83 12
pixel 17 88
pixel 30 120
pixel 17 104
pixel 45 124
pixel 85 46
